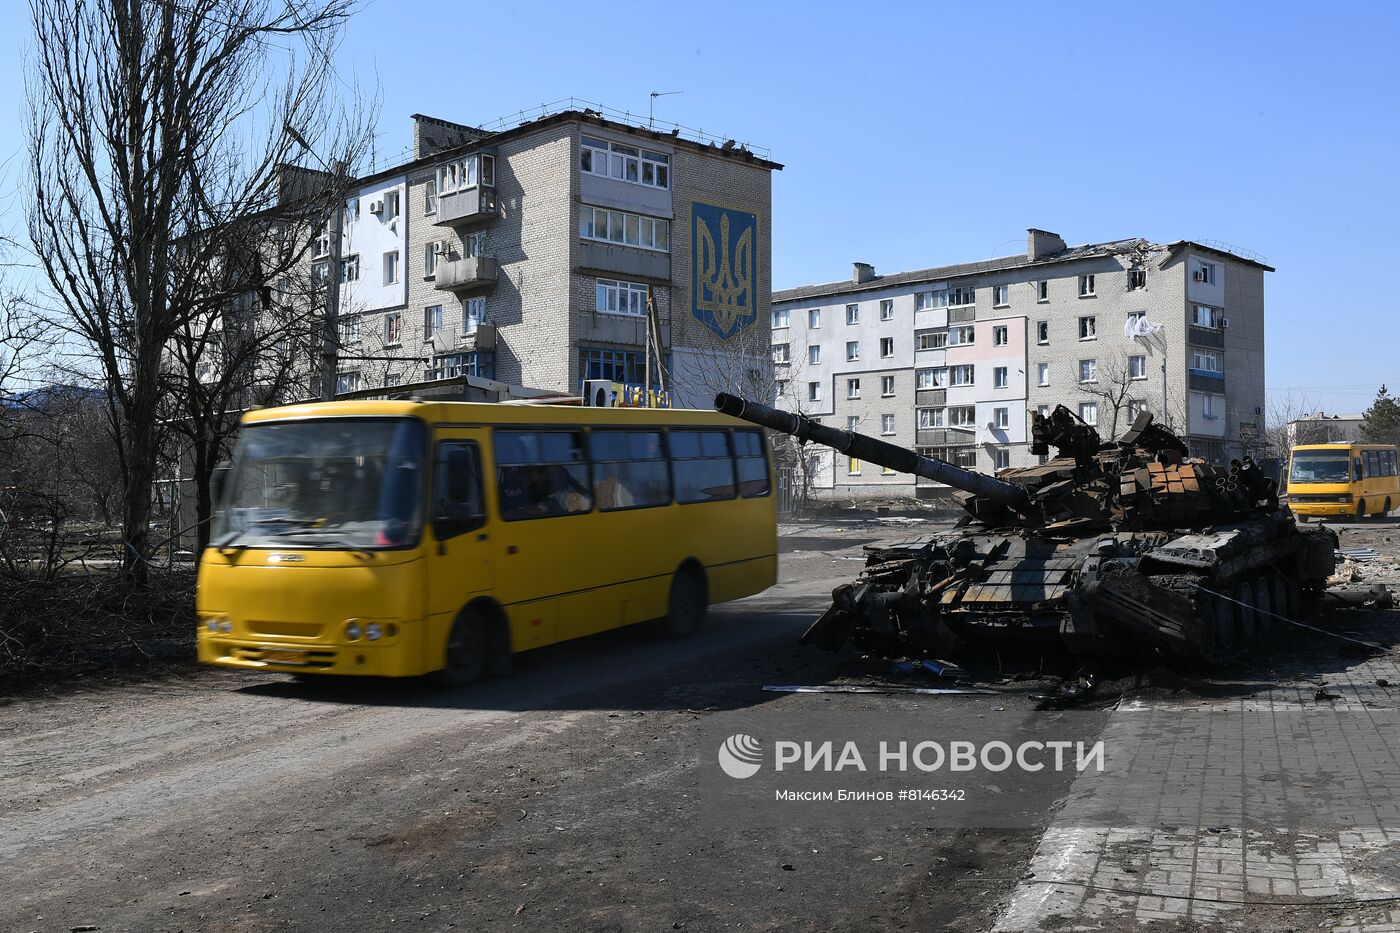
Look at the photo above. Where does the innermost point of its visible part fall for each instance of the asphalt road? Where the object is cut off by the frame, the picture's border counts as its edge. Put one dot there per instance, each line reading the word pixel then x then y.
pixel 555 798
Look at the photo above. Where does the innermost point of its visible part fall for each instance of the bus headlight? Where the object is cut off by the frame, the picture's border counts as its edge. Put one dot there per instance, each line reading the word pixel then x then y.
pixel 352 631
pixel 215 622
pixel 372 631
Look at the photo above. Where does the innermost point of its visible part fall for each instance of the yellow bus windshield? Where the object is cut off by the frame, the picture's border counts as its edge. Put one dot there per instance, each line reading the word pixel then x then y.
pixel 325 483
pixel 1321 466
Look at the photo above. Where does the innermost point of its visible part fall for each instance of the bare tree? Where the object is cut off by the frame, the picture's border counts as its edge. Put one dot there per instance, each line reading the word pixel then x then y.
pixel 1282 411
pixel 1116 388
pixel 159 134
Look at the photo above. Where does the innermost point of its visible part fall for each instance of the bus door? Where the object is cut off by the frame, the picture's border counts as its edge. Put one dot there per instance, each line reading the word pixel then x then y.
pixel 459 556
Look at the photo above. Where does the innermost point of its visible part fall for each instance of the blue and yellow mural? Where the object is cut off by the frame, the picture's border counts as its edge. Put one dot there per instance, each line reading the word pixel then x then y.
pixel 724 268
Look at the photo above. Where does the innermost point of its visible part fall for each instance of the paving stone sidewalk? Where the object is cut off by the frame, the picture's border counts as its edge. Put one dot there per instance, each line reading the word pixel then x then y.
pixel 1275 808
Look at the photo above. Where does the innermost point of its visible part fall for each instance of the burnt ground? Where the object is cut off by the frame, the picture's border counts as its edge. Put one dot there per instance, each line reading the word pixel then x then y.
pixel 561 797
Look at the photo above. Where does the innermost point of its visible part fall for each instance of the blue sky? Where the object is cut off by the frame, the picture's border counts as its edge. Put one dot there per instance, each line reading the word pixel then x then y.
pixel 918 134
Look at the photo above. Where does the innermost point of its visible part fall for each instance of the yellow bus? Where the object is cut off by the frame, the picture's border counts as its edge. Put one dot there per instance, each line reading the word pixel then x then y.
pixel 1342 479
pixel 401 538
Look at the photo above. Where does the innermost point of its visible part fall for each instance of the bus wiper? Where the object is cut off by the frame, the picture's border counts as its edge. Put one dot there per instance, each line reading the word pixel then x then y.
pixel 228 539
pixel 285 520
pixel 337 540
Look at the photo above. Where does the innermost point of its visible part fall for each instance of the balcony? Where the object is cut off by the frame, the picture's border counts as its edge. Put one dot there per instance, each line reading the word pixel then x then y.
pixel 945 437
pixel 466 274
pixel 466 207
pixel 934 397
pixel 623 261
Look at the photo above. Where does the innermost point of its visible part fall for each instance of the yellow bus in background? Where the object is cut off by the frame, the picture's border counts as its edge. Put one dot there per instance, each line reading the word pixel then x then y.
pixel 400 538
pixel 1342 479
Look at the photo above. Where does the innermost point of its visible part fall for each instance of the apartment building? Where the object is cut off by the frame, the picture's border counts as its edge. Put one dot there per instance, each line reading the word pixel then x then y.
pixel 959 356
pixel 526 255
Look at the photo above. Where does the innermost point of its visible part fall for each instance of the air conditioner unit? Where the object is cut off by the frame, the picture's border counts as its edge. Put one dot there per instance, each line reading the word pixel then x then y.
pixel 440 248
pixel 1224 322
pixel 598 393
pixel 376 207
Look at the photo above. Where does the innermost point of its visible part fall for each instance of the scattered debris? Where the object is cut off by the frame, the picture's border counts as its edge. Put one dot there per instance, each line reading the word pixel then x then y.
pixel 936 668
pixel 1363 554
pixel 874 688
pixel 1076 691
pixel 1322 695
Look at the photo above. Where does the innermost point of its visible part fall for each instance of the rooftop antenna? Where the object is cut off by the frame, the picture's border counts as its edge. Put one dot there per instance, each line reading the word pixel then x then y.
pixel 651 106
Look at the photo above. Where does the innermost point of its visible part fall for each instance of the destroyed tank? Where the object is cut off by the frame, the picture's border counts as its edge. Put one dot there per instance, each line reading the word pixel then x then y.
pixel 1131 547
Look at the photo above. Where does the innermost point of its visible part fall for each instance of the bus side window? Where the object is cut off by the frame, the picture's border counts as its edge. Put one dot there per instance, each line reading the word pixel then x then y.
pixel 753 465
pixel 542 474
pixel 702 465
pixel 457 501
pixel 629 469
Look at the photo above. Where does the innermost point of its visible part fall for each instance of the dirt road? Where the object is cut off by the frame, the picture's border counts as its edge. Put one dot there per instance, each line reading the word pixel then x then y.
pixel 551 799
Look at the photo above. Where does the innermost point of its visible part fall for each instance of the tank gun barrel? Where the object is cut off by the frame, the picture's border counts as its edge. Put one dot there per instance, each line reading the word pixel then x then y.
pixel 868 448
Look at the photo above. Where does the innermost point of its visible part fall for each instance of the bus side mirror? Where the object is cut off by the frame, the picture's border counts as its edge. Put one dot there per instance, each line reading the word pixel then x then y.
pixel 217 480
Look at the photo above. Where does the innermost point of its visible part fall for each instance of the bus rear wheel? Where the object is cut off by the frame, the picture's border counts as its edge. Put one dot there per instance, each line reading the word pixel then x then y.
pixel 688 604
pixel 466 654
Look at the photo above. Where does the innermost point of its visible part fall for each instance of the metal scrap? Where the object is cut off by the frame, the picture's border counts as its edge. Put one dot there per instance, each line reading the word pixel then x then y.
pixel 874 688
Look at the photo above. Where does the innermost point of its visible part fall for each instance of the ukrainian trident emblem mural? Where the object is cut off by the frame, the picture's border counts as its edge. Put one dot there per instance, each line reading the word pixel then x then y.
pixel 724 268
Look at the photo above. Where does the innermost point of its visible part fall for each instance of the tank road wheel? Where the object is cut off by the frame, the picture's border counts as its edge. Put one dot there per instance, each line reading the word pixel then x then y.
pixel 1263 603
pixel 1284 602
pixel 1361 509
pixel 466 654
pixel 1219 617
pixel 688 603
pixel 1244 612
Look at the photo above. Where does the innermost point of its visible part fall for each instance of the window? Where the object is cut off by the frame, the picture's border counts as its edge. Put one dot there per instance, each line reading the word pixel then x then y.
pixel 430 257
pixel 887 424
pixel 852 349
pixel 962 416
pixel 350 269
pixel 1001 417
pixel 1042 374
pixel 1001 458
pixel 473 313
pixel 471 363
pixel 457 500
pixel 466 172
pixel 886 386
pixel 392 379
pixel 923 301
pixel 322 245
pixel 1000 377
pixel 624 229
pixel 814 317
pixel 393 328
pixel 702 466
pixel 1137 278
pixel 1001 296
pixel 430 196
pixel 886 347
pixel 931 378
pixel 814 391
pixel 349 328
pixel 432 321
pixel 1134 323
pixel 1137 367
pixel 1205 273
pixel 959 336
pixel 1088 370
pixel 961 295
pixel 852 388
pixel 629 470
pixel 617 297
pixel 474 245
pixel 930 417
pixel 781 318
pixel 624 163
pixel 391 267
pixel 853 466
pixel 1089 412
pixel 1135 408
pixel 1042 290
pixel 751 463
pixel 391 205
pixel 1207 361
pixel 541 474
pixel 781 353
pixel 1205 316
pixel 1086 286
pixel 627 366
pixel 886 471
pixel 1208 407
pixel 1000 335
pixel 853 423
pixel 347 382
pixel 1088 330
pixel 1042 332
pixel 814 354
pixel 962 375
pixel 887 309
pixel 351 213
pixel 1043 411
pixel 931 340
pixel 852 314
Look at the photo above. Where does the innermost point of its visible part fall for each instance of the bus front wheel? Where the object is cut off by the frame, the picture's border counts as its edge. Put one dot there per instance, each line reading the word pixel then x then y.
pixel 1361 509
pixel 467 652
pixel 688 603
